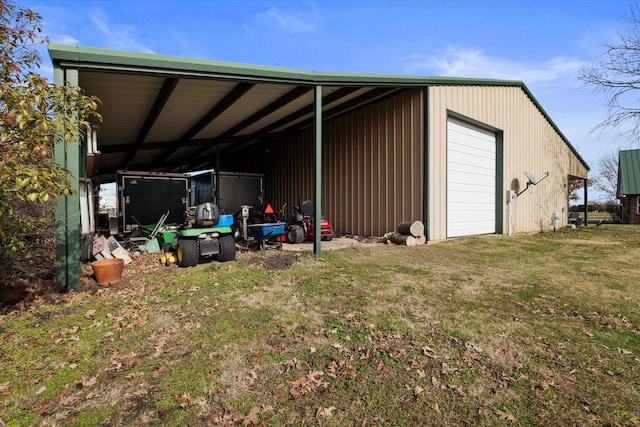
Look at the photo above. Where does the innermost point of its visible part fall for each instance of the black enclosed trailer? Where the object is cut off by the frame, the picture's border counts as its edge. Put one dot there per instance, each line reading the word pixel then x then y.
pixel 144 197
pixel 234 189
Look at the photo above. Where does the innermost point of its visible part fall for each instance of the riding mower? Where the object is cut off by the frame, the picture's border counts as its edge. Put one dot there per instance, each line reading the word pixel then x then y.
pixel 205 233
pixel 300 226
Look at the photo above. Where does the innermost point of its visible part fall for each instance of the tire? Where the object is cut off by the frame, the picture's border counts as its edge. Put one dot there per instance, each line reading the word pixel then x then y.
pixel 188 253
pixel 227 249
pixel 295 234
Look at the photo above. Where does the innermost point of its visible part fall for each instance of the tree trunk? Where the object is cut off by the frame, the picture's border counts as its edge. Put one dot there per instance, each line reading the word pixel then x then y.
pixel 402 239
pixel 411 228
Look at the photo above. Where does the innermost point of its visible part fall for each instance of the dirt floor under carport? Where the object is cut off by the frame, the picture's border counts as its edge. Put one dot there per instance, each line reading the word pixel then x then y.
pixel 32 280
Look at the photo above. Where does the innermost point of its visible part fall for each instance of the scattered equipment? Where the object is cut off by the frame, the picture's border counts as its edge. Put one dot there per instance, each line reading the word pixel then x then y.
pixel 205 233
pixel 300 226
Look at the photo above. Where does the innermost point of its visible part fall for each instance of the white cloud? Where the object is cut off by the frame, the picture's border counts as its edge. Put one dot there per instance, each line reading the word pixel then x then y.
pixel 118 36
pixel 290 21
pixel 474 63
pixel 64 39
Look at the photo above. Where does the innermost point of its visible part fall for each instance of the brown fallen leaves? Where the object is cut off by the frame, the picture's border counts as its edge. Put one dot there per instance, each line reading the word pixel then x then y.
pixel 307 384
pixel 502 415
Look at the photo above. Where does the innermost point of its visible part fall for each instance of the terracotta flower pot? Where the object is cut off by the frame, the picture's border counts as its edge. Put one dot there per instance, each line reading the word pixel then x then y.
pixel 108 271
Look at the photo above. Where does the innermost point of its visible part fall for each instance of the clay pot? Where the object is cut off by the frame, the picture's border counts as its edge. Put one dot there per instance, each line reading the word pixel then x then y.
pixel 108 271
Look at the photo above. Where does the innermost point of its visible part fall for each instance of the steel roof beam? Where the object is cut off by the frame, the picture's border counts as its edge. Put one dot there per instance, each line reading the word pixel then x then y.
pixel 161 99
pixel 231 98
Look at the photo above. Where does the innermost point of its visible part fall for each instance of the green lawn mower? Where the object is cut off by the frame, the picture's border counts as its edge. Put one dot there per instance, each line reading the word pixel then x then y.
pixel 205 233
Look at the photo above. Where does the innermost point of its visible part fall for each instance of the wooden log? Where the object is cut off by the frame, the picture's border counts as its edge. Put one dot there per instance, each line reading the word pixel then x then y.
pixel 411 228
pixel 421 240
pixel 402 239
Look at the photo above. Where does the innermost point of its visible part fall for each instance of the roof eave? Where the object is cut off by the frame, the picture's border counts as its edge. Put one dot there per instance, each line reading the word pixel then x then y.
pixel 83 57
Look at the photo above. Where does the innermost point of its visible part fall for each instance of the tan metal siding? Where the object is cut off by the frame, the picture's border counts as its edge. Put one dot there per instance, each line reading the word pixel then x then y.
pixel 372 166
pixel 530 144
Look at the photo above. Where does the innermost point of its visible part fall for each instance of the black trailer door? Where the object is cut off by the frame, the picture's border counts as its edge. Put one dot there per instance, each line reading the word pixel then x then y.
pixel 145 197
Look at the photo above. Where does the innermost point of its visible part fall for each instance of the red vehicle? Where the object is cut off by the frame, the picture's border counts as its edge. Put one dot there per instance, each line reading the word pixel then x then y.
pixel 300 225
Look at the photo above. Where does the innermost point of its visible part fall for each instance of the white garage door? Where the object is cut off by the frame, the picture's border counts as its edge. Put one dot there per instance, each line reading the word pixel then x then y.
pixel 471 180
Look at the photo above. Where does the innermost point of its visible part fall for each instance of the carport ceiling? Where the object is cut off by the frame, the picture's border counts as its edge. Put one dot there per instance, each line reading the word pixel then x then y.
pixel 173 114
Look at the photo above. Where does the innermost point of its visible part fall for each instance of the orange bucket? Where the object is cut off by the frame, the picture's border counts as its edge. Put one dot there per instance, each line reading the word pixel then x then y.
pixel 108 271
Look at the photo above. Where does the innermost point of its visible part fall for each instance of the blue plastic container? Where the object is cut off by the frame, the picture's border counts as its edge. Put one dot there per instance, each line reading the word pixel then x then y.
pixel 225 221
pixel 266 231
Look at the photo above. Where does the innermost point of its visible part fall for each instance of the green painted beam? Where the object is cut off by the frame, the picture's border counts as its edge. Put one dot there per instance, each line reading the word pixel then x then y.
pixel 425 168
pixel 586 202
pixel 500 198
pixel 317 125
pixel 67 155
pixel 317 205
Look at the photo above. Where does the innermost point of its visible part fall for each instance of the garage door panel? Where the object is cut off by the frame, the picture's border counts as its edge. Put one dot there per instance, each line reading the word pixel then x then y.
pixel 466 209
pixel 471 180
pixel 469 131
pixel 462 151
pixel 476 163
pixel 472 176
pixel 472 200
pixel 471 218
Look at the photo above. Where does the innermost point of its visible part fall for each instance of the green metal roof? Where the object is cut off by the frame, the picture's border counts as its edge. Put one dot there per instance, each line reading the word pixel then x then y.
pixel 141 75
pixel 115 60
pixel 629 172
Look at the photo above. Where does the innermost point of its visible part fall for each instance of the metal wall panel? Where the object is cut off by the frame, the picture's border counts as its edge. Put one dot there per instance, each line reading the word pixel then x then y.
pixel 530 143
pixel 372 166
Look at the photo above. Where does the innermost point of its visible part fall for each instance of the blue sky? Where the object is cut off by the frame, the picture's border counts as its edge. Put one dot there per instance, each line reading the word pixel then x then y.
pixel 543 43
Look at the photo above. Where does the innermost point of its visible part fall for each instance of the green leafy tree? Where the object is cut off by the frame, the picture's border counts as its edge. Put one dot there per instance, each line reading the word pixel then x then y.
pixel 34 116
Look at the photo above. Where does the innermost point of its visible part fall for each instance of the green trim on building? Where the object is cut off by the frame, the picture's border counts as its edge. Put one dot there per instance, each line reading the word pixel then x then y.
pixel 426 169
pixel 317 202
pixel 80 57
pixel 67 155
pixel 500 193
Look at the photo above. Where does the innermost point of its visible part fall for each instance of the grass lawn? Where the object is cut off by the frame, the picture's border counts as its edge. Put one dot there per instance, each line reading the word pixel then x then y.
pixel 541 329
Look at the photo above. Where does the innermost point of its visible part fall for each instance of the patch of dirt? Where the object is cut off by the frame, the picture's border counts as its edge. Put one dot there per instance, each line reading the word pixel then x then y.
pixel 342 242
pixel 276 262
pixel 30 279
pixel 32 273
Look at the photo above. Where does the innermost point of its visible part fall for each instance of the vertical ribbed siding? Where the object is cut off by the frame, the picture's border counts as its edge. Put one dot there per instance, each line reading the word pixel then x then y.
pixel 530 144
pixel 372 167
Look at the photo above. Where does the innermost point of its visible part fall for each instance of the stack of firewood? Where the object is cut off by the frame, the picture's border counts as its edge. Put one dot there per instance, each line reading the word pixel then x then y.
pixel 409 233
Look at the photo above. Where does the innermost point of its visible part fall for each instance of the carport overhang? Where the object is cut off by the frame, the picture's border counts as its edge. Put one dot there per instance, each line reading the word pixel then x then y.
pixel 172 114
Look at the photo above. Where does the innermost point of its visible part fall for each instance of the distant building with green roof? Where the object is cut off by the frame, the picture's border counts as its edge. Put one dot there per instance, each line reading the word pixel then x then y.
pixel 629 185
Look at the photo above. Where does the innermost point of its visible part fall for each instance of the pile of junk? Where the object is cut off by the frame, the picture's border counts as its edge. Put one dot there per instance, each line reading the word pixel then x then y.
pixel 206 233
pixel 264 227
pixel 173 214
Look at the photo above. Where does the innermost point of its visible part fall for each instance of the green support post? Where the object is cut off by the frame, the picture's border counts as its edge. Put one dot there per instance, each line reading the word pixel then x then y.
pixel 67 155
pixel 586 202
pixel 317 125
pixel 425 166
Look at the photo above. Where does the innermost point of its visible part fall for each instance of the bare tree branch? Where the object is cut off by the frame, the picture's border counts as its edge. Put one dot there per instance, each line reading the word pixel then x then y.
pixel 617 76
pixel 606 181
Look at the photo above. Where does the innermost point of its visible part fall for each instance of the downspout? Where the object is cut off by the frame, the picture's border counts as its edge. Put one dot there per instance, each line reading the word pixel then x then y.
pixel 317 196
